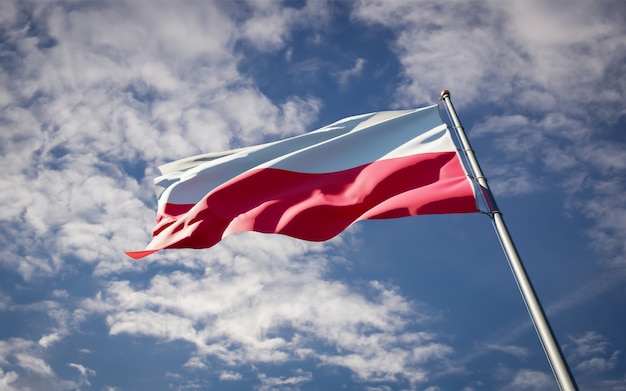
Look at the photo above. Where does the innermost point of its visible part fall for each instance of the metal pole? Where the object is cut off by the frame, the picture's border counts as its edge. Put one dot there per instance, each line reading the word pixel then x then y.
pixel 559 366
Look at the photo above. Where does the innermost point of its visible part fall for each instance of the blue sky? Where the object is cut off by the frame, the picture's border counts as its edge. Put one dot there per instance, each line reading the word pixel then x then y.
pixel 95 95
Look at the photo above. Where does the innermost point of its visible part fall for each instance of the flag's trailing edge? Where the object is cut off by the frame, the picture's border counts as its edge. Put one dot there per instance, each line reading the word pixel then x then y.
pixel 313 186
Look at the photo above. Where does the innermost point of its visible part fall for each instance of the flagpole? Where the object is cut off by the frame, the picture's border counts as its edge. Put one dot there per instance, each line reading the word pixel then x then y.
pixel 559 366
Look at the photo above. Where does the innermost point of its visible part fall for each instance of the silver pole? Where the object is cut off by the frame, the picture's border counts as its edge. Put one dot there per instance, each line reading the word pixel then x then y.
pixel 559 366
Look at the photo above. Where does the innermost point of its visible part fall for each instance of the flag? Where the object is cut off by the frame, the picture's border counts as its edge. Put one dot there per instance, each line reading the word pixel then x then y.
pixel 313 186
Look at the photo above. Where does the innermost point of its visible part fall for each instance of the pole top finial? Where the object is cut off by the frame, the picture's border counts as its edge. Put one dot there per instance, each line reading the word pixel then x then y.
pixel 444 94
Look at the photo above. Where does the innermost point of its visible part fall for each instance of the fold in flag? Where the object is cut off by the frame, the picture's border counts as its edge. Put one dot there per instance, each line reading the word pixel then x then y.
pixel 313 186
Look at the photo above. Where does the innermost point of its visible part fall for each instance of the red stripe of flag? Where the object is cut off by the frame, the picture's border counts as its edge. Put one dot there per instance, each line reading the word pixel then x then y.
pixel 317 206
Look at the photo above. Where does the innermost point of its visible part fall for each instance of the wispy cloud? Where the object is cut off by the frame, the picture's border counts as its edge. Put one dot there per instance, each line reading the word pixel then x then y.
pixel 271 383
pixel 344 76
pixel 516 351
pixel 593 352
pixel 530 380
pixel 24 366
pixel 270 24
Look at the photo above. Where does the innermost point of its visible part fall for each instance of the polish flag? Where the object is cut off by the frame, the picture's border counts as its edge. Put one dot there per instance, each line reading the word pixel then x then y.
pixel 313 186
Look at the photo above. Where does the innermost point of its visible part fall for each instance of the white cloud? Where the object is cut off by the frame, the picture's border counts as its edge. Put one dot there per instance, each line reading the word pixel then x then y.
pixel 614 385
pixel 270 302
pixel 24 368
pixel 345 76
pixel 271 23
pixel 598 364
pixel 527 379
pixel 163 326
pixel 230 376
pixel 60 293
pixel 5 301
pixel 589 344
pixel 272 383
pixel 516 351
pixel 84 371
pixel 567 46
pixel 48 340
pixel 512 181
pixel 446 45
pixel 195 363
pixel 488 50
pixel 591 351
pixel 7 379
